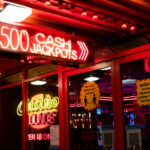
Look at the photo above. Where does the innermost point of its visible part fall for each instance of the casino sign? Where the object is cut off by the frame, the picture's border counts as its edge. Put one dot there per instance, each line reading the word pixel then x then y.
pixel 42 110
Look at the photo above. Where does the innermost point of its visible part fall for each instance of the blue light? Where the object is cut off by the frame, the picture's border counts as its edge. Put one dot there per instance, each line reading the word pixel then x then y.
pixel 99 111
pixel 132 119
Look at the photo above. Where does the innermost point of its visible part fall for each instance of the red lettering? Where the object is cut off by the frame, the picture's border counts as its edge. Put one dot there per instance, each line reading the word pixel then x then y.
pixel 5 37
pixel 19 40
pixel 40 38
pixel 59 42
pixel 14 34
pixel 24 36
pixel 38 136
pixel 13 38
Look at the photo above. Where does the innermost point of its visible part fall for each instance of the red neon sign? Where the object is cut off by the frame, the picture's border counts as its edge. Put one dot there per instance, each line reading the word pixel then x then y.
pixel 42 120
pixel 20 40
pixel 38 136
pixel 147 64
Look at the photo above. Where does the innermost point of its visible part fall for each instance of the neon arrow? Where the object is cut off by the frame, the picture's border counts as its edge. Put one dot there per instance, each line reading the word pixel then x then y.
pixel 84 51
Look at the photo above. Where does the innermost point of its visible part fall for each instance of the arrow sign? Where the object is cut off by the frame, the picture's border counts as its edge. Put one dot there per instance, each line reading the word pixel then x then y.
pixel 84 51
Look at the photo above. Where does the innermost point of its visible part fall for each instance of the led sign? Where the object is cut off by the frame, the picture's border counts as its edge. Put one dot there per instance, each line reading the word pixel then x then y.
pixel 46 44
pixel 42 110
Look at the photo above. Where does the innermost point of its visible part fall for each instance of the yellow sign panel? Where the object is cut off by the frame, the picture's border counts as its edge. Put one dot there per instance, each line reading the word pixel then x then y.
pixel 89 95
pixel 143 92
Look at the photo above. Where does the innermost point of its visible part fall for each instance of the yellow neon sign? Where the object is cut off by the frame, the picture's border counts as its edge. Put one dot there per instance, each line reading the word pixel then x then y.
pixel 39 102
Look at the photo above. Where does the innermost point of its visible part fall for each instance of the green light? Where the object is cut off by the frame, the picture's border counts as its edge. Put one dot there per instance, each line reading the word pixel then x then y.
pixel 19 109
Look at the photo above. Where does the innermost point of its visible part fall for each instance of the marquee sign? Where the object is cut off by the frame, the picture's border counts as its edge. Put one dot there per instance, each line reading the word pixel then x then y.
pixel 42 110
pixel 29 41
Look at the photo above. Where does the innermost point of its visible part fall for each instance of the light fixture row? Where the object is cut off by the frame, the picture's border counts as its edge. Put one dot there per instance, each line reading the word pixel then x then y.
pixel 89 14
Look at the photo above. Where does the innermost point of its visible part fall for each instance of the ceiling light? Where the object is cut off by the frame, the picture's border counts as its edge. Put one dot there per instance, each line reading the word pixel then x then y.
pixel 14 13
pixel 124 26
pixel 104 69
pixel 39 82
pixel 95 17
pixel 91 78
pixel 84 13
pixel 128 81
pixel 132 28
pixel 47 3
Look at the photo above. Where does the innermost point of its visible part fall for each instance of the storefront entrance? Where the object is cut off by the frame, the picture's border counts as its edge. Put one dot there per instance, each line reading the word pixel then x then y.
pixel 90 109
pixel 102 106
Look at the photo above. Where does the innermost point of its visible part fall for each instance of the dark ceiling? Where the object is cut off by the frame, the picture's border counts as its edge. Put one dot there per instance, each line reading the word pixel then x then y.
pixel 99 21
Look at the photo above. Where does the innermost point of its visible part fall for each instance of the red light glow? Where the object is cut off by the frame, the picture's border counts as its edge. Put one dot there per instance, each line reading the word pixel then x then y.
pixel 95 17
pixel 84 49
pixel 132 28
pixel 38 136
pixel 146 64
pixel 124 26
pixel 19 40
pixel 41 120
pixel 84 13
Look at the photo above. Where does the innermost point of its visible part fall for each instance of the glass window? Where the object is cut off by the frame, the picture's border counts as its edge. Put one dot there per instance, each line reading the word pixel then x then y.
pixel 10 122
pixel 41 69
pixel 43 122
pixel 136 103
pixel 11 78
pixel 91 111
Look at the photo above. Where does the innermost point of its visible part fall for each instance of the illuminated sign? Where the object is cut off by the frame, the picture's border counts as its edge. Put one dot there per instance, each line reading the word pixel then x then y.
pixel 147 64
pixel 23 40
pixel 42 110
pixel 38 136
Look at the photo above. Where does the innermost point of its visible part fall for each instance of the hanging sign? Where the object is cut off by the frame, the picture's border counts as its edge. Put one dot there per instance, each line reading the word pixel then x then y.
pixel 89 95
pixel 30 41
pixel 143 92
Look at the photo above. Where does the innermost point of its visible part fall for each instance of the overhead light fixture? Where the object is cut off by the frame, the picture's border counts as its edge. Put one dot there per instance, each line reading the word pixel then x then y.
pixel 39 82
pixel 47 3
pixel 91 78
pixel 132 28
pixel 104 69
pixel 124 26
pixel 14 13
pixel 95 17
pixel 128 81
pixel 84 13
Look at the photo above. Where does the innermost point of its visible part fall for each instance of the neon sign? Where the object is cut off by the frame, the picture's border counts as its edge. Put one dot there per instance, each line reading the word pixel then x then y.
pixel 38 136
pixel 40 104
pixel 19 40
pixel 42 110
pixel 147 64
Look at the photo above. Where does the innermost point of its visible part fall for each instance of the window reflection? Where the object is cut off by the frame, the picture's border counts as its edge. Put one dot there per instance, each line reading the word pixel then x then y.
pixel 136 107
pixel 91 119
pixel 43 122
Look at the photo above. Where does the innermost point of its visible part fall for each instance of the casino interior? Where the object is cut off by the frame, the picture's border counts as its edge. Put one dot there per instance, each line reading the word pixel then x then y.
pixel 74 75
